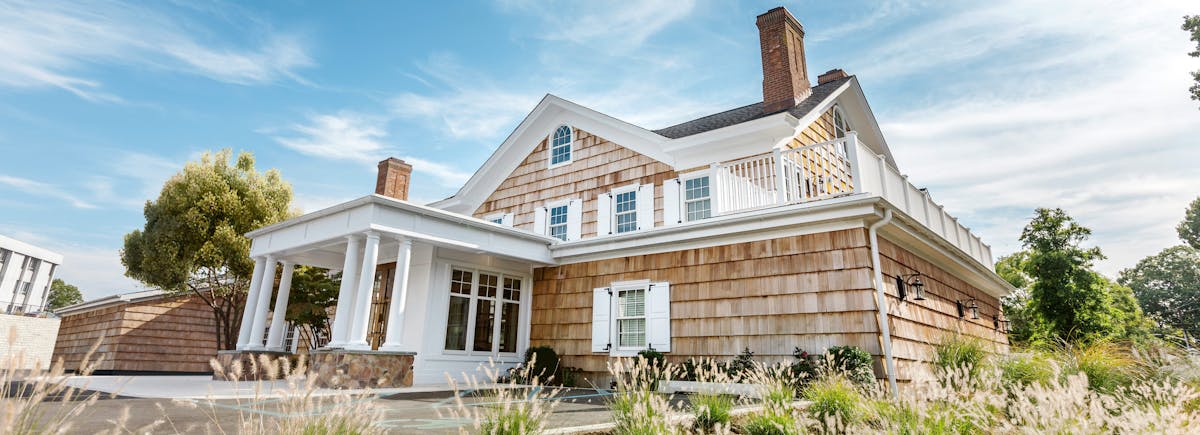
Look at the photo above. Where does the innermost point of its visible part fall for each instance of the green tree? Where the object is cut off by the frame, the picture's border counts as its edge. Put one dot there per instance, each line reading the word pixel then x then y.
pixel 1167 287
pixel 1073 301
pixel 1192 24
pixel 1023 324
pixel 193 240
pixel 62 295
pixel 313 291
pixel 1189 229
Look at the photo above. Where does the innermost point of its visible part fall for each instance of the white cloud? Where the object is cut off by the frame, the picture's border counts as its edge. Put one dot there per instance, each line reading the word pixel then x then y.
pixel 1088 113
pixel 43 190
pixel 51 43
pixel 341 136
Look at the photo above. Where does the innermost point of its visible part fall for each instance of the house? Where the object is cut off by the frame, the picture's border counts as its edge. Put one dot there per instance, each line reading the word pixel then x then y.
pixel 780 224
pixel 25 275
pixel 141 332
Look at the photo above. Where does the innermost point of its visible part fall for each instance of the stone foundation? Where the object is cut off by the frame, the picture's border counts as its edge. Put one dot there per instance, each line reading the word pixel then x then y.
pixel 252 367
pixel 337 368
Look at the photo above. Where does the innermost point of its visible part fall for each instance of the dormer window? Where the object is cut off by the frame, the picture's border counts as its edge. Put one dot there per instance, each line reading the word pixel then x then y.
pixel 560 146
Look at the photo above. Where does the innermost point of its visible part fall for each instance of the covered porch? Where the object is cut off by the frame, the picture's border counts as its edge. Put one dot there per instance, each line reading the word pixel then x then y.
pixel 438 291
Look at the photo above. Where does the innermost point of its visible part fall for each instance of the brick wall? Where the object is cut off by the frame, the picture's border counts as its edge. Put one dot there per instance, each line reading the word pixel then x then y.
pixel 27 342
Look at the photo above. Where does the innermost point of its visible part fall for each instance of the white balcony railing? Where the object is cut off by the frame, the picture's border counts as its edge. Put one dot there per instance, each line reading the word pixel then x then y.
pixel 831 169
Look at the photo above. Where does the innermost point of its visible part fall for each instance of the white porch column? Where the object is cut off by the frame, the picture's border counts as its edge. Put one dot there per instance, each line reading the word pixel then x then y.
pixel 278 324
pixel 395 322
pixel 345 302
pixel 259 327
pixel 362 304
pixel 251 300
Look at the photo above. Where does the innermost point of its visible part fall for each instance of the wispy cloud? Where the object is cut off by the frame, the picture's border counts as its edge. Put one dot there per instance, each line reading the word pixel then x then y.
pixel 340 136
pixel 1081 118
pixel 55 44
pixel 42 190
pixel 358 138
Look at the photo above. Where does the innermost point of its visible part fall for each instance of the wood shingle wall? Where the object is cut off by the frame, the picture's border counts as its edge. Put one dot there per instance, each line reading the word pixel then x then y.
pixel 158 335
pixel 598 166
pixel 811 291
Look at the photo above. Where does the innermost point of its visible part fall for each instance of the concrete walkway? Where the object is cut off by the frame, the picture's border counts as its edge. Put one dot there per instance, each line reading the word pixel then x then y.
pixel 204 387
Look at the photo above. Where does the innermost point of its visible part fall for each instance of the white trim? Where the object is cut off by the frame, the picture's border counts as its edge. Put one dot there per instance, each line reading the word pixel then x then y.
pixel 712 198
pixel 496 217
pixel 612 208
pixel 614 320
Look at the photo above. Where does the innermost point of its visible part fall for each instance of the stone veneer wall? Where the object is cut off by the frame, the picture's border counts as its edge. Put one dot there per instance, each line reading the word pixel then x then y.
pixel 27 342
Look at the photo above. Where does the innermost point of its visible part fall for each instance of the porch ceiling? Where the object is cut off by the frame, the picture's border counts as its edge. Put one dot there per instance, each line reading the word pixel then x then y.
pixel 319 238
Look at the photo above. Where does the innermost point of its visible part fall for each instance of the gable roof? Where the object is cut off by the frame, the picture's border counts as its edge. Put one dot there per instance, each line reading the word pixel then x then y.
pixel 670 145
pixel 749 112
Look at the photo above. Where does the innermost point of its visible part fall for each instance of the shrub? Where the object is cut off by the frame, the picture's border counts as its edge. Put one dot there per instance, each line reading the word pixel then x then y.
pixel 804 369
pixel 711 410
pixel 543 363
pixel 742 365
pixel 835 398
pixel 852 362
pixel 960 352
pixel 771 424
pixel 1025 370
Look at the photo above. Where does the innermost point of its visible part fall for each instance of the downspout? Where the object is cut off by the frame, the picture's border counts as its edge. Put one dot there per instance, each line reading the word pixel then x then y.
pixel 885 334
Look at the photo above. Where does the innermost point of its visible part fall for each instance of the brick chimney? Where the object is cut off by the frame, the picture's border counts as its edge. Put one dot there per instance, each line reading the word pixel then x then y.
pixel 785 77
pixel 831 75
pixel 393 178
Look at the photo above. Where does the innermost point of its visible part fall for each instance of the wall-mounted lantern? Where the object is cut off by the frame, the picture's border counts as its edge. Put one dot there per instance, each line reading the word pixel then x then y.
pixel 970 305
pixel 906 282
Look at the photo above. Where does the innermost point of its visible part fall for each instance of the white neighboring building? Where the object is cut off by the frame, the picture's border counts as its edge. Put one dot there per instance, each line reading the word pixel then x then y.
pixel 25 275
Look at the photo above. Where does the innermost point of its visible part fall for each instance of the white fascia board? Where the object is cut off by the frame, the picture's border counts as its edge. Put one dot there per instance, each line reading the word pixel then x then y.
pixel 935 250
pixel 733 142
pixel 768 223
pixel 300 236
pixel 862 118
pixel 551 112
pixel 30 250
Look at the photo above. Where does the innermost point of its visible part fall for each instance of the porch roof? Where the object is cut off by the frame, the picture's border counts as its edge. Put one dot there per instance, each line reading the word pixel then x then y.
pixel 327 228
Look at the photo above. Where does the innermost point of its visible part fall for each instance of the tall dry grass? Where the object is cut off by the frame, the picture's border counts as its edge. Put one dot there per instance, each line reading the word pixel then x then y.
pixel 507 408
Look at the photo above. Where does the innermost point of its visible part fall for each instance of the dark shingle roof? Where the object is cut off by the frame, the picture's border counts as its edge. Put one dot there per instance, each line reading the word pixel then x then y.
pixel 748 113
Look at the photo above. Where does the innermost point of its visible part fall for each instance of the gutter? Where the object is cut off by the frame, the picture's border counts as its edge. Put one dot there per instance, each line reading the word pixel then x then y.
pixel 885 334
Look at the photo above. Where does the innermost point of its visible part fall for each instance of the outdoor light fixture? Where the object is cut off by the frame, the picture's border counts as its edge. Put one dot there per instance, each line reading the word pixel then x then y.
pixel 904 282
pixel 971 305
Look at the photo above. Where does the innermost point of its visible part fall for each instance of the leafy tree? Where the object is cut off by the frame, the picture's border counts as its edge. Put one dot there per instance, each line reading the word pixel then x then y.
pixel 1023 323
pixel 1192 24
pixel 1167 286
pixel 62 295
pixel 1073 301
pixel 313 291
pixel 1189 229
pixel 192 242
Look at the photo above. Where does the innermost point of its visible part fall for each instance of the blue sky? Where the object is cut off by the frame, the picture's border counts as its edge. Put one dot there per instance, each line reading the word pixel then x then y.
pixel 997 108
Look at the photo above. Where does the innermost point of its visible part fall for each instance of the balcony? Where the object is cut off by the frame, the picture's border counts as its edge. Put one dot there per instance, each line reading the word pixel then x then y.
pixel 832 169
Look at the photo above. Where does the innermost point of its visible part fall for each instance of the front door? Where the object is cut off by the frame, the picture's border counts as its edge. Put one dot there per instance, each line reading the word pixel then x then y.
pixel 381 297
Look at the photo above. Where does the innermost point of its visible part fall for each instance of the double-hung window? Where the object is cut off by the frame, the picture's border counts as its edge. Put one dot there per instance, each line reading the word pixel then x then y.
pixel 560 146
pixel 697 198
pixel 625 211
pixel 484 312
pixel 631 316
pixel 558 222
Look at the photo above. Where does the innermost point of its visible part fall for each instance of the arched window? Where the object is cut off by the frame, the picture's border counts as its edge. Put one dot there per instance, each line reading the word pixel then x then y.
pixel 840 127
pixel 560 146
pixel 840 124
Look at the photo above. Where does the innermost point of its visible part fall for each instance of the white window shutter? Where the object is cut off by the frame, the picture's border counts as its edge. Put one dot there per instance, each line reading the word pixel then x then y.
pixel 658 316
pixel 671 206
pixel 539 220
pixel 574 219
pixel 645 206
pixel 603 214
pixel 507 220
pixel 601 318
